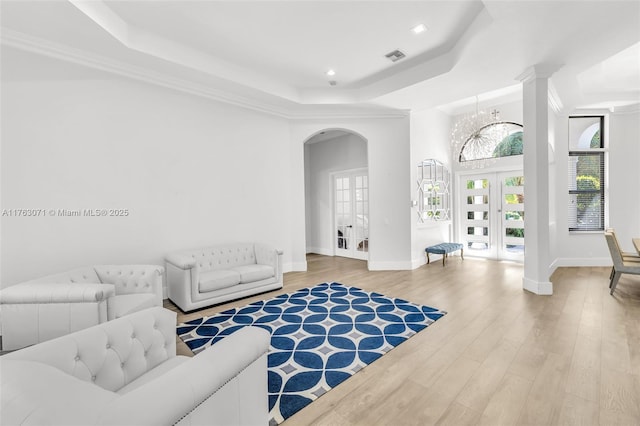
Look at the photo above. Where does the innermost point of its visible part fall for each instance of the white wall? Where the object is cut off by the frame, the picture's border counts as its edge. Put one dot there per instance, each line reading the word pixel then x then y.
pixel 191 173
pixel 389 196
pixel 321 160
pixel 590 249
pixel 430 138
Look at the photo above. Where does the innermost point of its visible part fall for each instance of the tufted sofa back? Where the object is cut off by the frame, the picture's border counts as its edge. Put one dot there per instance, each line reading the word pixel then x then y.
pixel 224 257
pixel 80 275
pixel 129 279
pixel 112 354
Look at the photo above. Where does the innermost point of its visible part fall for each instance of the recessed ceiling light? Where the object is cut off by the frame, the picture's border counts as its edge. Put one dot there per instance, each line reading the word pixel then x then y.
pixel 331 73
pixel 419 28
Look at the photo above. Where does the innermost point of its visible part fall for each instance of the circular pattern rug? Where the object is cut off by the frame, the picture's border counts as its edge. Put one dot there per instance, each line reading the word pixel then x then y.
pixel 320 336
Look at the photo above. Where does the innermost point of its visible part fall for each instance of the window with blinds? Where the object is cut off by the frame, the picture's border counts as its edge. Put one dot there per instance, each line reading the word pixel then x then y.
pixel 586 173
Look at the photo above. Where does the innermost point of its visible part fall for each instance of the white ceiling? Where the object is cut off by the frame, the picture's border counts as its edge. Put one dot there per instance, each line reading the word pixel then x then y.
pixel 276 53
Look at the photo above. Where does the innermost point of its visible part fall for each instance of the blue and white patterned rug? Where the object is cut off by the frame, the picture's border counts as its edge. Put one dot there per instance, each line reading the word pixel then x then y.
pixel 320 336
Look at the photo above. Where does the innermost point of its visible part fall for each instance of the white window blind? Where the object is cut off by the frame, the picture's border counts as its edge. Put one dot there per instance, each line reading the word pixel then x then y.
pixel 586 173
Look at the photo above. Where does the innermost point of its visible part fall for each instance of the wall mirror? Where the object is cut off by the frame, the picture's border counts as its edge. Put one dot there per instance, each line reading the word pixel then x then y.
pixel 434 197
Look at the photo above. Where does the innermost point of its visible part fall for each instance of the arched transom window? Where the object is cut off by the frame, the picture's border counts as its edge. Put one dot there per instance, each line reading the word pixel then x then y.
pixel 494 140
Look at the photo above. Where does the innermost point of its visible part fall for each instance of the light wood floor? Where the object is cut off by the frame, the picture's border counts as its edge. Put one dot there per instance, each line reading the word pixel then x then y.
pixel 502 356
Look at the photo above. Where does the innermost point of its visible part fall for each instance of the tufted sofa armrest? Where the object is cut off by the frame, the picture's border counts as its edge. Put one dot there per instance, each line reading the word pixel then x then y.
pixel 194 386
pixel 181 260
pixel 28 293
pixel 267 255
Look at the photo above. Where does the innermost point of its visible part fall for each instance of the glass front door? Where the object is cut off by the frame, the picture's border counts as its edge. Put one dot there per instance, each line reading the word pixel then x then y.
pixel 492 215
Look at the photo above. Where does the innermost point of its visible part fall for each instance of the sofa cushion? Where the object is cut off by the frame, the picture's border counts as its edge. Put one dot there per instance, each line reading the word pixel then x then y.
pixel 124 304
pixel 217 279
pixel 251 273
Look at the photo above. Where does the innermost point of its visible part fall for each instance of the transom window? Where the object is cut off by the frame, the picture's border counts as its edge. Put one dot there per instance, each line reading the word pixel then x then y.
pixel 494 140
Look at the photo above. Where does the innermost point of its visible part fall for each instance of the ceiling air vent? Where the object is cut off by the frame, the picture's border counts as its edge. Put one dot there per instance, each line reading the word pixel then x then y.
pixel 394 56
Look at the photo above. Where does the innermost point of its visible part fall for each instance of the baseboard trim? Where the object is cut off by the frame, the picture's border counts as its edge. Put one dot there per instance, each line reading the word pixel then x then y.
pixel 319 250
pixel 294 266
pixel 416 263
pixel 582 261
pixel 541 288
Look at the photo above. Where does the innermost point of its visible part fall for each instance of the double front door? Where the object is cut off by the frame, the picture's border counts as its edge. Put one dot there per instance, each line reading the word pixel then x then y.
pixel 492 215
pixel 351 214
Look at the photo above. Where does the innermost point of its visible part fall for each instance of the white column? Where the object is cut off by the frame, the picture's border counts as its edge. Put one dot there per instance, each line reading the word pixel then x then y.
pixel 535 104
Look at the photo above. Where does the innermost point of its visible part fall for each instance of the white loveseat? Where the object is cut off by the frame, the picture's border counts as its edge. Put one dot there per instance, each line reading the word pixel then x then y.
pixel 207 276
pixel 126 372
pixel 55 305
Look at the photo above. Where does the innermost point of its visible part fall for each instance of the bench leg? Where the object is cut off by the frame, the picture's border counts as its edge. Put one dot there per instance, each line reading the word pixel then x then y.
pixel 462 253
pixel 444 256
pixel 428 260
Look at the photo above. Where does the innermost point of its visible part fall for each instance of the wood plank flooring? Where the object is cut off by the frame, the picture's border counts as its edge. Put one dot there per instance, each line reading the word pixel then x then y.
pixel 502 356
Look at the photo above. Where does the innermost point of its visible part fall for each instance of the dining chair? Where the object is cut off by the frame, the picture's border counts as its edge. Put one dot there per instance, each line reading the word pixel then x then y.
pixel 620 265
pixel 626 255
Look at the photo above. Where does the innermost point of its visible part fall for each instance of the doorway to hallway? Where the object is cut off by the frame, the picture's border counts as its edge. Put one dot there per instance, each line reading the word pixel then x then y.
pixel 351 214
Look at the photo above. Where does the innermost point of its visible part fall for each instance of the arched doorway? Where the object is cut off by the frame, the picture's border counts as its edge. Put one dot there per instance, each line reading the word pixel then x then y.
pixel 336 194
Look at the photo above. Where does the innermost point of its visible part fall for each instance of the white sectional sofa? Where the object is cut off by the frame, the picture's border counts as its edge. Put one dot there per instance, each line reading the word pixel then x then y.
pixel 126 372
pixel 216 274
pixel 55 305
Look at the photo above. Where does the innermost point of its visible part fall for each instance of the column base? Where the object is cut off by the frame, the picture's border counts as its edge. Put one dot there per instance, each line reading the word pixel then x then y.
pixel 541 288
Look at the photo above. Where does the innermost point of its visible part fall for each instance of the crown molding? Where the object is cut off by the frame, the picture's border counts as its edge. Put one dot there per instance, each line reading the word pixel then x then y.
pixel 543 70
pixel 40 46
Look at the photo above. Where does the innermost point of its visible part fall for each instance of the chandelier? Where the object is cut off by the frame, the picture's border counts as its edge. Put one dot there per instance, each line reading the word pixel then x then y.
pixel 474 137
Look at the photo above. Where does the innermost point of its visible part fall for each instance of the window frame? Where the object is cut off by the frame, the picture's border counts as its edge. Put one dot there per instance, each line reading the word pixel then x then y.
pixel 593 152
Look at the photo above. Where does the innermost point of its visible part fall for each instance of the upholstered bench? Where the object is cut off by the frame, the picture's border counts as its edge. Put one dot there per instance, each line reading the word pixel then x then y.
pixel 444 249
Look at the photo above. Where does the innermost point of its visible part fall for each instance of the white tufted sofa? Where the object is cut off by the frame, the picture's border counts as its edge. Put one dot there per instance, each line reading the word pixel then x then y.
pixel 126 372
pixel 55 305
pixel 217 274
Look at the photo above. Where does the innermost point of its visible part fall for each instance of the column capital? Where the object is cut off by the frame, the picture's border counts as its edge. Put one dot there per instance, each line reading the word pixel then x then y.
pixel 543 70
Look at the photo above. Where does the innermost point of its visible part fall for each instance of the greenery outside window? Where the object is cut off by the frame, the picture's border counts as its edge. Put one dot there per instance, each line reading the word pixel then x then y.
pixel 586 173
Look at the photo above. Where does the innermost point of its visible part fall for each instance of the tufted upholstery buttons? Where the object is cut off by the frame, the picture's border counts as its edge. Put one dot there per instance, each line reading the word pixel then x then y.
pixel 108 346
pixel 77 358
pixel 122 365
pixel 93 378
pixel 72 280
